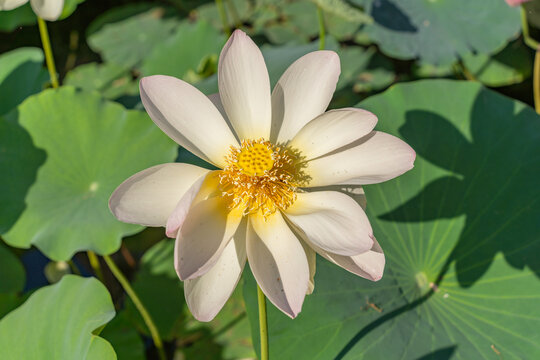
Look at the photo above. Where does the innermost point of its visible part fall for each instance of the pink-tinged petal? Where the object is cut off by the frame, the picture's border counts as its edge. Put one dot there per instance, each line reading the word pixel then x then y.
pixel 205 232
pixel 11 4
pixel 206 295
pixel 188 117
pixel 49 10
pixel 516 2
pixel 278 262
pixel 333 130
pixel 332 221
pixel 178 216
pixel 375 158
pixel 369 265
pixel 150 196
pixel 303 92
pixel 244 87
pixel 201 189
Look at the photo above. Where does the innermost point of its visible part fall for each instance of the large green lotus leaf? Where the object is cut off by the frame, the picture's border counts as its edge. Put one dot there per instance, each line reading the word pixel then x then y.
pixel 460 234
pixel 20 159
pixel 124 338
pixel 117 14
pixel 21 75
pixel 111 80
pixel 91 145
pixel 439 31
pixel 510 66
pixel 57 321
pixel 160 291
pixel 128 42
pixel 12 270
pixel 183 55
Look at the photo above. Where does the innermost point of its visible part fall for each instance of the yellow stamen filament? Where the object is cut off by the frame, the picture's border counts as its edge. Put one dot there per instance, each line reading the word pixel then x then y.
pixel 261 176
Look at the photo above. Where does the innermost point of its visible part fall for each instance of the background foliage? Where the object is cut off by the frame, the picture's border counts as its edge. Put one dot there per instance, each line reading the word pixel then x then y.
pixel 460 231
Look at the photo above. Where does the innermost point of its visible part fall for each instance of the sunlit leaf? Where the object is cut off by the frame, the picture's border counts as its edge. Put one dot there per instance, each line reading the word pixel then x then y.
pixel 57 321
pixel 128 42
pixel 510 66
pixel 438 31
pixel 460 235
pixel 91 146
pixel 190 47
pixel 111 80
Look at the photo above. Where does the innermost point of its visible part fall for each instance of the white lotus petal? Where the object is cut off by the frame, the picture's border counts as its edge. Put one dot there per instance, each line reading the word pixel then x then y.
pixel 375 158
pixel 11 4
pixel 207 229
pixel 303 92
pixel 201 189
pixel 188 117
pixel 278 262
pixel 206 295
pixel 369 265
pixel 332 221
pixel 311 256
pixel 356 192
pixel 48 9
pixel 150 196
pixel 244 87
pixel 332 130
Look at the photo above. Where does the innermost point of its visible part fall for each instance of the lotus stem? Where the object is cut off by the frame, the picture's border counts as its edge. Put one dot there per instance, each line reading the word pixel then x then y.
pixel 49 59
pixel 138 304
pixel 263 325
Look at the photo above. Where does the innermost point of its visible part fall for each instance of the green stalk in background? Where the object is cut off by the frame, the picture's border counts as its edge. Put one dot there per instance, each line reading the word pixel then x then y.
pixel 138 304
pixel 49 59
pixel 263 325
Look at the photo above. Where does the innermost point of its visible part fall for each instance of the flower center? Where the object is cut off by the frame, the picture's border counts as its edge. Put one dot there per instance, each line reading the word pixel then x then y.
pixel 255 159
pixel 261 176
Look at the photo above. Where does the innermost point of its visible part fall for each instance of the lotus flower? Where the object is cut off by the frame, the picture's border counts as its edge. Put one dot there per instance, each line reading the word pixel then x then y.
pixel 46 9
pixel 271 201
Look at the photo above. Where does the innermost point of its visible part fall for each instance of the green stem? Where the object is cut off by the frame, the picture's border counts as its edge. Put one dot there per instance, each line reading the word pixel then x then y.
pixel 223 16
pixel 138 304
pixel 74 268
pixel 94 263
pixel 322 32
pixel 48 51
pixel 263 326
pixel 536 81
pixel 529 41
